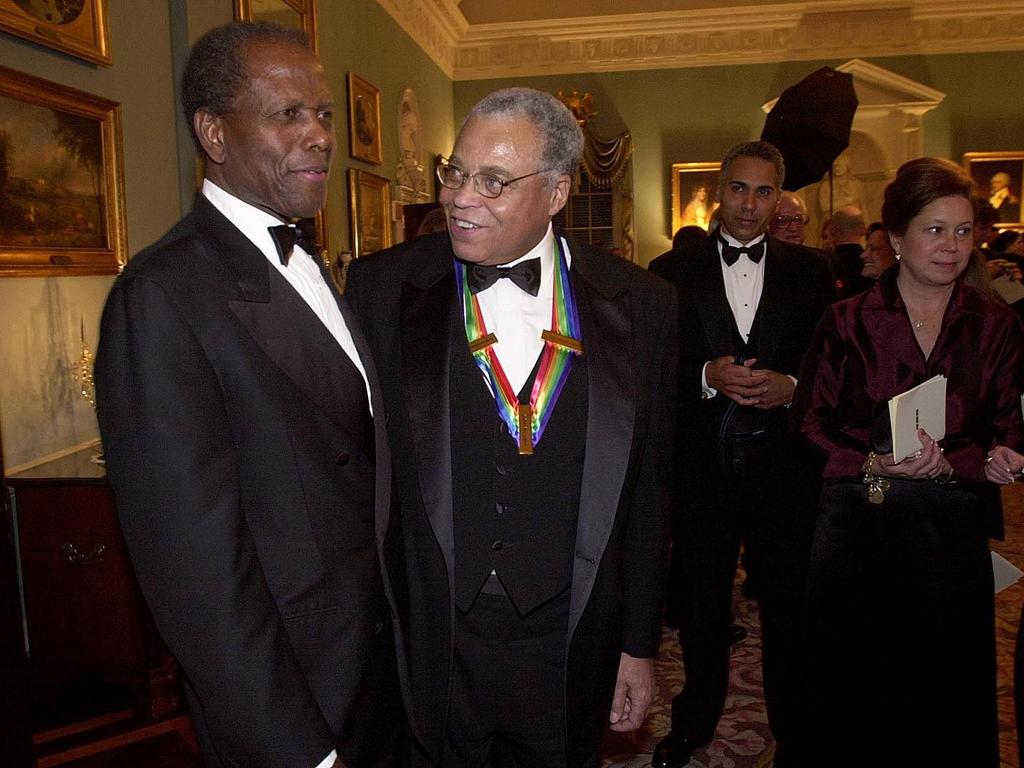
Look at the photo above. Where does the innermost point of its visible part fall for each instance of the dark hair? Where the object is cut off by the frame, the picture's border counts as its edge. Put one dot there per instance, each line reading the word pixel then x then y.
pixel 215 73
pixel 560 135
pixel 759 150
pixel 688 235
pixel 918 183
pixel 1003 240
pixel 984 213
pixel 873 227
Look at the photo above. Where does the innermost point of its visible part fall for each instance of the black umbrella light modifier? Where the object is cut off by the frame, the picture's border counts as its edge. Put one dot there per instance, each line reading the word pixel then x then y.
pixel 810 125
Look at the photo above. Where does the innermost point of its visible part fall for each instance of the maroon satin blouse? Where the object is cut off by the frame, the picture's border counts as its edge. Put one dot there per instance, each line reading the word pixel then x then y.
pixel 864 352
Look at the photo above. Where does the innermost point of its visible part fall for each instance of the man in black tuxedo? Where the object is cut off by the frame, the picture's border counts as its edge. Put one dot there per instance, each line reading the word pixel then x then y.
pixel 748 305
pixel 534 560
pixel 236 397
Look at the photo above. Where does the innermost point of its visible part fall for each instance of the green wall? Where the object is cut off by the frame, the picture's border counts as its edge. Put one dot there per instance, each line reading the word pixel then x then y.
pixel 41 411
pixel 689 115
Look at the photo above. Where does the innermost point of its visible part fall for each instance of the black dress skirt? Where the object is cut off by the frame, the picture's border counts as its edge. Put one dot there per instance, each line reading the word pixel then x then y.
pixel 900 636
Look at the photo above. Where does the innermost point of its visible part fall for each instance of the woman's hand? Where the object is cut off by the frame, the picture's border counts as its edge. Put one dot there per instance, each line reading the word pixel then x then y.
pixel 926 464
pixel 1003 465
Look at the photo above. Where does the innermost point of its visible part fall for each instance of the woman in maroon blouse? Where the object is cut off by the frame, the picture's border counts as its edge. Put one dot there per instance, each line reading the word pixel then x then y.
pixel 900 626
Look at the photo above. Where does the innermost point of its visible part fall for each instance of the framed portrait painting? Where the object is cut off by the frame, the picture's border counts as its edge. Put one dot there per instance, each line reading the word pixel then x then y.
pixel 364 120
pixel 694 194
pixel 61 180
pixel 75 27
pixel 999 176
pixel 298 14
pixel 370 208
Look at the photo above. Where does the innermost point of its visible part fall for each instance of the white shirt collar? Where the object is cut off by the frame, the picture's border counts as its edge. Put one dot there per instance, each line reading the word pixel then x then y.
pixel 252 221
pixel 736 243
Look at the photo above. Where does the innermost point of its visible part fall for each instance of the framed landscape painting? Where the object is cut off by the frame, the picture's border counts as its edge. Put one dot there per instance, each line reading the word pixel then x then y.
pixel 61 180
pixel 370 205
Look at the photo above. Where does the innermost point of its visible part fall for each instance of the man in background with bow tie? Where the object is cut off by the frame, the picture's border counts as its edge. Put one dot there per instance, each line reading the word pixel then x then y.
pixel 748 304
pixel 239 410
pixel 528 381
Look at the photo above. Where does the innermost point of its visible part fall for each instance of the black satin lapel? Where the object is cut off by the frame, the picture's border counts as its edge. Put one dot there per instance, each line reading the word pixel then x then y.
pixel 608 343
pixel 298 342
pixel 428 323
pixel 778 282
pixel 712 305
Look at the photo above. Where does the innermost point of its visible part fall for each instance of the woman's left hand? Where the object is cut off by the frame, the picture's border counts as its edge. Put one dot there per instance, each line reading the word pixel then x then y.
pixel 1003 465
pixel 927 464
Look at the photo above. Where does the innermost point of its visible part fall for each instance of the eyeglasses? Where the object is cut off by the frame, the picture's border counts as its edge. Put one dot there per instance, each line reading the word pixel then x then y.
pixel 784 221
pixel 487 184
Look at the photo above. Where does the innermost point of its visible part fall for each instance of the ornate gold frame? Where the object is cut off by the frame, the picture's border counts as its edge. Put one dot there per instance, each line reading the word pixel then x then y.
pixel 706 171
pixel 304 9
pixel 86 37
pixel 369 198
pixel 982 165
pixel 365 96
pixel 74 260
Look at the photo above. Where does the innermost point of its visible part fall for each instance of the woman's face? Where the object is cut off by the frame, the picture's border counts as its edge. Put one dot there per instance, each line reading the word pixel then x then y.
pixel 937 245
pixel 878 256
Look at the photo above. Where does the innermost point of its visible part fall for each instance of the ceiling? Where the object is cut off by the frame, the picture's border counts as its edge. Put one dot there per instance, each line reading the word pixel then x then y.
pixel 480 39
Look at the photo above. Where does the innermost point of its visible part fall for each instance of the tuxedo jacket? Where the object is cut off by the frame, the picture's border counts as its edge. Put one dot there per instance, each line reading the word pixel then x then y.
pixel 407 302
pixel 255 522
pixel 798 286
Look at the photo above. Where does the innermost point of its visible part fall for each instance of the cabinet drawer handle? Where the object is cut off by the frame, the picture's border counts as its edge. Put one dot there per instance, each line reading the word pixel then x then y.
pixel 83 558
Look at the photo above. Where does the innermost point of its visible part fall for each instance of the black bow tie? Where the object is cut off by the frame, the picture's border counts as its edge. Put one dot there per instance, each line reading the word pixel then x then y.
pixel 730 252
pixel 303 234
pixel 525 274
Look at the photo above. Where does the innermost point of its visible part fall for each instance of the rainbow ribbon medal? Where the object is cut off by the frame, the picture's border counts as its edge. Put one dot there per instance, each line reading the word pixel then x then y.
pixel 526 423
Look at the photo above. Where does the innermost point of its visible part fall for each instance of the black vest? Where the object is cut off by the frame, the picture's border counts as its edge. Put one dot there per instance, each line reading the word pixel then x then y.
pixel 514 514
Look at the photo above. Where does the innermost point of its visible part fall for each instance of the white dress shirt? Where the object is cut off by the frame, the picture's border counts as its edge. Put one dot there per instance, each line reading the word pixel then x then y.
pixel 517 318
pixel 744 281
pixel 302 274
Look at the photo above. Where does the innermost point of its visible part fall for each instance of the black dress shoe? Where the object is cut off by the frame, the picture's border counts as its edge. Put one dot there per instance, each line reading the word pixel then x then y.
pixel 674 751
pixel 736 633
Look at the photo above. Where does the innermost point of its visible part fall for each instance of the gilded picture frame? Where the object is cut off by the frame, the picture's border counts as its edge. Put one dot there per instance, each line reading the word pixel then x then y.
pixel 364 120
pixel 77 28
pixel 62 209
pixel 687 181
pixel 999 176
pixel 298 14
pixel 370 210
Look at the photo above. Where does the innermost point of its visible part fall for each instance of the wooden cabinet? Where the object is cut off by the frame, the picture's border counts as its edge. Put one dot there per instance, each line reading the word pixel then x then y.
pixel 99 671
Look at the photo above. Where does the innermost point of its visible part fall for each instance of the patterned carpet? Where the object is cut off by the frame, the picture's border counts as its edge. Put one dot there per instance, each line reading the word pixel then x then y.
pixel 743 739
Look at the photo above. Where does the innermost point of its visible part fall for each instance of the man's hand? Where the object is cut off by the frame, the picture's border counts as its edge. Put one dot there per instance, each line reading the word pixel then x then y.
pixel 739 382
pixel 778 390
pixel 634 688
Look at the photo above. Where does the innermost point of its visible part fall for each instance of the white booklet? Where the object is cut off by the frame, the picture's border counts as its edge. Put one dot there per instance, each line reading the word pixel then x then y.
pixel 1008 290
pixel 1004 573
pixel 924 407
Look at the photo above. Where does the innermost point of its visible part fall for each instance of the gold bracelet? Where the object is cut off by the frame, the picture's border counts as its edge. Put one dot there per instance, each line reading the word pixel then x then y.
pixel 877 486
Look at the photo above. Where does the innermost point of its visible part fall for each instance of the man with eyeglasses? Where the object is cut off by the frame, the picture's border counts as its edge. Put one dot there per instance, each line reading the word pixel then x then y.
pixel 748 304
pixel 790 219
pixel 528 383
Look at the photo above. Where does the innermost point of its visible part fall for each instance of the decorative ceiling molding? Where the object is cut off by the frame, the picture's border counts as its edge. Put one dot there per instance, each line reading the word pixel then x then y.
pixel 756 34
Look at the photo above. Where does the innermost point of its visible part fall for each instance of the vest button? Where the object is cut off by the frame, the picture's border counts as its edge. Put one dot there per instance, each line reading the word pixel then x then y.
pixel 497 546
pixel 503 428
pixel 499 507
pixel 342 459
pixel 502 469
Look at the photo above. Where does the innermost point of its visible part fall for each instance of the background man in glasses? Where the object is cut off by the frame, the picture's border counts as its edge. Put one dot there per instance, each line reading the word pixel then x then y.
pixel 748 304
pixel 790 219
pixel 536 561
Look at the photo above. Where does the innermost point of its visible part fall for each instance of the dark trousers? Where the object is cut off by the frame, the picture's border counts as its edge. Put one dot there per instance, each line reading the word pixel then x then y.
pixel 508 690
pixel 771 511
pixel 900 630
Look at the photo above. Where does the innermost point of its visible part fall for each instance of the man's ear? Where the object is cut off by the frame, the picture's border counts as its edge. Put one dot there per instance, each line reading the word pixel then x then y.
pixel 559 194
pixel 209 128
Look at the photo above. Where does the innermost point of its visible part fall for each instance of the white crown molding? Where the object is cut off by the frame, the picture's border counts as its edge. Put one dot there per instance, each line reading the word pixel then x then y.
pixel 787 31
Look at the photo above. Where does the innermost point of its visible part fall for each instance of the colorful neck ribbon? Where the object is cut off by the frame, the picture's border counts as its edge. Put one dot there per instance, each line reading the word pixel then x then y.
pixel 526 423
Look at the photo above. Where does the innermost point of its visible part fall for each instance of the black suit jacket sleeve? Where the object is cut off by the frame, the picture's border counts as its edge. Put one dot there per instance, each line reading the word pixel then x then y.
pixel 172 461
